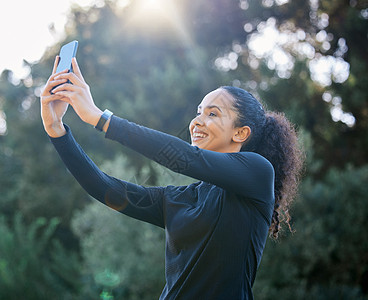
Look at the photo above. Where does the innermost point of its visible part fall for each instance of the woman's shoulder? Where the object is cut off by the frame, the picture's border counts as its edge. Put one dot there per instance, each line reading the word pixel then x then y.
pixel 251 158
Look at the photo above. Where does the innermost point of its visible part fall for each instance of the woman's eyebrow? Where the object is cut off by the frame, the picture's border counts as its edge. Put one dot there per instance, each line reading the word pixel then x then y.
pixel 211 106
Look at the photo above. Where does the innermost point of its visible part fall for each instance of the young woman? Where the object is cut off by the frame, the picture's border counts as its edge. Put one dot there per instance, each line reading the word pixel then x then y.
pixel 247 162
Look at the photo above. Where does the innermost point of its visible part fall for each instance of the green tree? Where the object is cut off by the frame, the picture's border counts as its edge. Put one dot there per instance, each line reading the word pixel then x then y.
pixel 326 257
pixel 32 264
pixel 156 75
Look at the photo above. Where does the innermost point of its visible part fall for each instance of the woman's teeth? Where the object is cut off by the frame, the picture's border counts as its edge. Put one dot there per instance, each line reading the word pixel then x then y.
pixel 201 135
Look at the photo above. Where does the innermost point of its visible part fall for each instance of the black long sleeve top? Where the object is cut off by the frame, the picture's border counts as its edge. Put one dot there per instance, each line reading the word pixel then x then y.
pixel 216 229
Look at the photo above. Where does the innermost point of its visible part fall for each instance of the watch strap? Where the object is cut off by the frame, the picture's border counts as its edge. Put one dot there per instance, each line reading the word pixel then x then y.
pixel 103 119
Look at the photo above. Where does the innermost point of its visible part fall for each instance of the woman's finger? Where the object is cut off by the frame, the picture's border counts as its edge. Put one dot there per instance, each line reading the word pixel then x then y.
pixel 53 76
pixel 73 78
pixel 67 87
pixel 56 62
pixel 57 82
pixel 50 85
pixel 76 69
pixel 53 97
pixel 65 96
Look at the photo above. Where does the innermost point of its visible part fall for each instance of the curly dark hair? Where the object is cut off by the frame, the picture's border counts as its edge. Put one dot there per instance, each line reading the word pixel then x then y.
pixel 275 138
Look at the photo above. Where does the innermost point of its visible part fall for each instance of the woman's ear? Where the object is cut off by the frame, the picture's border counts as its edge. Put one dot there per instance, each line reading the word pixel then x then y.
pixel 241 134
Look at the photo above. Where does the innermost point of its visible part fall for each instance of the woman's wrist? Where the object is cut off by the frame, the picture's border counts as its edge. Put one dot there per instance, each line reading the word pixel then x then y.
pixel 56 130
pixel 106 125
pixel 96 116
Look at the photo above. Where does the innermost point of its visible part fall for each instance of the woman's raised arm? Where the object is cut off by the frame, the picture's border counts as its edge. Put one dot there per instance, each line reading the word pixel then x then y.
pixel 242 172
pixel 143 203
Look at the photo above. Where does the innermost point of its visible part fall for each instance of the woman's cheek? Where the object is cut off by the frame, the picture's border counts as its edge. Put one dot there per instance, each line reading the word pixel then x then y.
pixel 191 126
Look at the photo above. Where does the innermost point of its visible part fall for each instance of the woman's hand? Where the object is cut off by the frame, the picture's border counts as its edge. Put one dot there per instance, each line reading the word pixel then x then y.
pixel 52 107
pixel 78 95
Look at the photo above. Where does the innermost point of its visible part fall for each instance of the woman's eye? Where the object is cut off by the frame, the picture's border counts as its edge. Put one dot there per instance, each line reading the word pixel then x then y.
pixel 198 114
pixel 212 114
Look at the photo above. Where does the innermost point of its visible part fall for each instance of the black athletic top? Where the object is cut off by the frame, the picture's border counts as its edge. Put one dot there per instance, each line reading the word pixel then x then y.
pixel 216 229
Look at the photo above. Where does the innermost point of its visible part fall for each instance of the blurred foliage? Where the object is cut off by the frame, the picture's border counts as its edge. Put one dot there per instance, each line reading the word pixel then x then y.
pixel 129 249
pixel 326 258
pixel 32 264
pixel 155 71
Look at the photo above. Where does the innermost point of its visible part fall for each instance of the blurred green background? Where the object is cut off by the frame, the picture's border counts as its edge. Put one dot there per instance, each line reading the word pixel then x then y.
pixel 308 59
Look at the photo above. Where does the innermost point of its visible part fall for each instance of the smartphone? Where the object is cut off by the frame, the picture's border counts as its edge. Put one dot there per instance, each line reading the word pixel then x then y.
pixel 67 52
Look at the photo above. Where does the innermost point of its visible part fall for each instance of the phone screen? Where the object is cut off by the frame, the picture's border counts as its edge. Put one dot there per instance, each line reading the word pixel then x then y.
pixel 67 52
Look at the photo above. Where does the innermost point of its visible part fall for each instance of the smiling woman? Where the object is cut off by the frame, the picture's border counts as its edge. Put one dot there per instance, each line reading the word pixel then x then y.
pixel 247 163
pixel 213 129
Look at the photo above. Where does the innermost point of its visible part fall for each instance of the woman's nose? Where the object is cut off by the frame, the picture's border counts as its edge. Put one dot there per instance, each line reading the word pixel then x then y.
pixel 198 120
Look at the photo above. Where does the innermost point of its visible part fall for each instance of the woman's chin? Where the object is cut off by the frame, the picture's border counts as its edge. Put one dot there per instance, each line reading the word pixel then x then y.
pixel 202 144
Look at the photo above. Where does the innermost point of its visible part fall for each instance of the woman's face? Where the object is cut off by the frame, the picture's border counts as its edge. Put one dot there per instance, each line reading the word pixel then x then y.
pixel 213 127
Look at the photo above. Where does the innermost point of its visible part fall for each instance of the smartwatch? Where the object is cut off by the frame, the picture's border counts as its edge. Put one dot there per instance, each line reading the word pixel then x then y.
pixel 104 117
